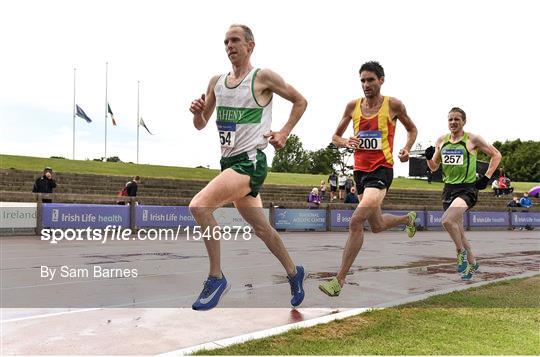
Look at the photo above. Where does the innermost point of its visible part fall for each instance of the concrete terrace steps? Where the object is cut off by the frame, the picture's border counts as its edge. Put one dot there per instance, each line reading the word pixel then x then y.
pixel 87 188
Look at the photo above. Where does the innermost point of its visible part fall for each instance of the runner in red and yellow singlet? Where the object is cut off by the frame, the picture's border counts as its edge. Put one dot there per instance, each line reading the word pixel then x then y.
pixel 374 120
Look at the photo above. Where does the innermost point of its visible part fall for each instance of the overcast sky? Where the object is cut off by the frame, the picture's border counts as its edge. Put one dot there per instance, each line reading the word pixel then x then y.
pixel 479 55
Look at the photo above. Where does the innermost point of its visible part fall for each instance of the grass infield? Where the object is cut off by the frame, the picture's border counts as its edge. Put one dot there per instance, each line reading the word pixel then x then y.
pixel 126 169
pixel 501 318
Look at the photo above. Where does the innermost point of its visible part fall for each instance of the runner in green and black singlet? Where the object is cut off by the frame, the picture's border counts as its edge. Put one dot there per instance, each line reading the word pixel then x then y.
pixel 457 152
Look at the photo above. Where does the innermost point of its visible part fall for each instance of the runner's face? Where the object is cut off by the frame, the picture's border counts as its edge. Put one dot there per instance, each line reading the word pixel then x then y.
pixel 455 122
pixel 236 46
pixel 371 85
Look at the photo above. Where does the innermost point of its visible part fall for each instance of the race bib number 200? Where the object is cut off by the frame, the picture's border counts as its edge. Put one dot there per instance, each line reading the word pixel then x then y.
pixel 370 140
pixel 227 133
pixel 452 156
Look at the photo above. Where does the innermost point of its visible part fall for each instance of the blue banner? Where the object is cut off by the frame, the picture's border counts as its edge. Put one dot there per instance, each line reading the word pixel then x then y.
pixel 526 219
pixel 163 216
pixel 340 218
pixel 434 219
pixel 488 219
pixel 58 215
pixel 300 219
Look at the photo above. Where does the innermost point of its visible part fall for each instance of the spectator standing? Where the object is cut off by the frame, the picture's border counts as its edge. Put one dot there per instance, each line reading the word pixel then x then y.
pixel 45 184
pixel 132 186
pixel 322 190
pixel 129 190
pixel 314 200
pixel 496 188
pixel 349 184
pixel 352 197
pixel 505 185
pixel 341 183
pixel 333 181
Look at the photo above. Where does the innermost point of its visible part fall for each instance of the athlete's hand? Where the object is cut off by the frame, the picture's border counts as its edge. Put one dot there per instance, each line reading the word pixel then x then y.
pixel 482 182
pixel 403 155
pixel 198 105
pixel 277 139
pixel 353 142
pixel 430 151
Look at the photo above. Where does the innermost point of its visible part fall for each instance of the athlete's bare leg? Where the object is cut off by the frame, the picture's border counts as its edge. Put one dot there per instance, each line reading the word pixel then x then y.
pixel 370 202
pixel 380 222
pixel 368 209
pixel 470 255
pixel 251 209
pixel 452 222
pixel 227 187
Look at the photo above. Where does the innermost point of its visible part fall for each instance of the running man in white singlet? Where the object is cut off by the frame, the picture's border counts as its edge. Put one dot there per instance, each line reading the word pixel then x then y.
pixel 243 102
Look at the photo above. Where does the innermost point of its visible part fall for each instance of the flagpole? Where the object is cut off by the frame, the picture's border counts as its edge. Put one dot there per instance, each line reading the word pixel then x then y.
pixel 138 122
pixel 74 71
pixel 106 102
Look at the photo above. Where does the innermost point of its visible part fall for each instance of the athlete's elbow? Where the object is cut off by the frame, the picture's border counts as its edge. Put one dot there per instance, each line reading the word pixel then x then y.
pixel 301 103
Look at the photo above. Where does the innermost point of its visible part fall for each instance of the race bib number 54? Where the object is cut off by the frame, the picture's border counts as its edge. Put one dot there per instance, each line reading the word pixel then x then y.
pixel 370 140
pixel 227 133
pixel 452 156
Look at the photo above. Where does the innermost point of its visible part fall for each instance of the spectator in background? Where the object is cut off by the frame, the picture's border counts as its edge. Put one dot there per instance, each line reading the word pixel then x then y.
pixel 525 201
pixel 45 184
pixel 314 200
pixel 352 197
pixel 429 175
pixel 505 185
pixel 132 186
pixel 348 184
pixel 341 184
pixel 514 203
pixel 129 190
pixel 496 188
pixel 332 180
pixel 322 190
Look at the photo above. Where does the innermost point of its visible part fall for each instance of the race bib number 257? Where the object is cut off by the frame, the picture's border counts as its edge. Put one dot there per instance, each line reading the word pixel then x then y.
pixel 452 156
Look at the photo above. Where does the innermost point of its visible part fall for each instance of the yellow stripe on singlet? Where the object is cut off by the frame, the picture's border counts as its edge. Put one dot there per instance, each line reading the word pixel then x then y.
pixel 383 116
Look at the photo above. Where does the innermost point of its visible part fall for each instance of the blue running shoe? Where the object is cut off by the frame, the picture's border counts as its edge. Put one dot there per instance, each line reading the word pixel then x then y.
pixel 471 269
pixel 214 289
pixel 297 286
pixel 462 261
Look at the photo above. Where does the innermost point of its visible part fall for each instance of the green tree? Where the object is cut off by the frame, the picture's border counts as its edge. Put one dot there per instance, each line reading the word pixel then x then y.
pixel 322 161
pixel 292 158
pixel 520 159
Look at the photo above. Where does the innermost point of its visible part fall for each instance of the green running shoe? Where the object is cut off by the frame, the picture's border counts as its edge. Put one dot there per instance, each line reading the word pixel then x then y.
pixel 462 261
pixel 469 271
pixel 331 288
pixel 411 227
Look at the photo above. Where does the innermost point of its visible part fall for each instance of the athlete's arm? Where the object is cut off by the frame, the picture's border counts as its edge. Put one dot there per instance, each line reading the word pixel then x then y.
pixel 337 138
pixel 490 150
pixel 273 83
pixel 435 162
pixel 203 107
pixel 399 112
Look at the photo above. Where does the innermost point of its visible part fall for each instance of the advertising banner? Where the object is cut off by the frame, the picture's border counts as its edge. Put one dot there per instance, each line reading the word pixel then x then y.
pixel 300 219
pixel 58 215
